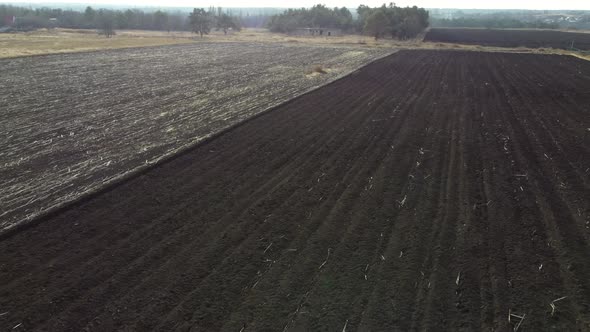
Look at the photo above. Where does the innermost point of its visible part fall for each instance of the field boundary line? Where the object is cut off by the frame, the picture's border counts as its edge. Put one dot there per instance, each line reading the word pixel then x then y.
pixel 113 183
pixel 97 50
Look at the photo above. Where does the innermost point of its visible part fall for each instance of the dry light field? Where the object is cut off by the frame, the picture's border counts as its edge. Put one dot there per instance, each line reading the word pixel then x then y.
pixel 60 40
pixel 73 122
pixel 431 190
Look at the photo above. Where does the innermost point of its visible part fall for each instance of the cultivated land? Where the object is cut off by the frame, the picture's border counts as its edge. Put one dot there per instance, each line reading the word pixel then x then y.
pixel 432 190
pixel 73 122
pixel 510 38
pixel 79 40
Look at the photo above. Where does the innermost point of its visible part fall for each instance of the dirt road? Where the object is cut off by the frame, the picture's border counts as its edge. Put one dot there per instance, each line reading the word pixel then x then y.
pixel 429 191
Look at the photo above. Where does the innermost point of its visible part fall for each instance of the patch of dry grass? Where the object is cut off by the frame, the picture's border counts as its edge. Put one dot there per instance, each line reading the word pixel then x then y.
pixel 68 40
pixel 583 56
pixel 76 40
pixel 316 71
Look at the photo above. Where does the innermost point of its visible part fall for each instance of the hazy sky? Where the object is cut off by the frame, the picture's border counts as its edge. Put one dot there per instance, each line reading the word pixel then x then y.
pixel 496 4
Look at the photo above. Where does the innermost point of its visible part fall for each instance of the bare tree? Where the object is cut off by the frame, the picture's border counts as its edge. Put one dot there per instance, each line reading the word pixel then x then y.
pixel 200 21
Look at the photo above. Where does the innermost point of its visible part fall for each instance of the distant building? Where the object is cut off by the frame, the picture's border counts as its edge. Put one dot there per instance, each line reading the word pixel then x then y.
pixel 327 32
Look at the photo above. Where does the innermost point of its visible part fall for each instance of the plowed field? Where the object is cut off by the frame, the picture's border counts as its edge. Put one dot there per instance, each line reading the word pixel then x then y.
pixel 511 38
pixel 72 122
pixel 431 190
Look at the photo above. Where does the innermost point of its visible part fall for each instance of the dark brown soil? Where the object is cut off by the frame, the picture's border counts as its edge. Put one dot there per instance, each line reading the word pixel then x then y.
pixel 429 191
pixel 511 38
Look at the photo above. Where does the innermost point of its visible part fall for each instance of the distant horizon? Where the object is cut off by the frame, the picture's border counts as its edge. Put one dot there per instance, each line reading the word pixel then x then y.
pixel 269 4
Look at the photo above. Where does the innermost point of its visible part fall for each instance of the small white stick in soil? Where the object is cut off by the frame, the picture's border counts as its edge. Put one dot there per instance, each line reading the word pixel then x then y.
pixel 326 261
pixel 265 250
pixel 345 324
pixel 553 306
pixel 403 201
pixel 458 279
pixel 519 323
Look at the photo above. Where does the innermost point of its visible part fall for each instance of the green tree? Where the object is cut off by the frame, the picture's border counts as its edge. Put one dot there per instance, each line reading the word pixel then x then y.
pixel 106 21
pixel 401 23
pixel 376 24
pixel 89 16
pixel 160 20
pixel 200 21
pixel 319 16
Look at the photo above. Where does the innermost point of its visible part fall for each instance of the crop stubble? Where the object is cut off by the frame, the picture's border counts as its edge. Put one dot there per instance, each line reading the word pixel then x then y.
pixel 72 122
pixel 433 190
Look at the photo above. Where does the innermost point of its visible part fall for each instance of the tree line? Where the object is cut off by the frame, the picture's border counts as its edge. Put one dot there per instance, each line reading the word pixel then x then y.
pixel 319 16
pixel 202 21
pixel 107 20
pixel 91 18
pixel 392 21
pixel 384 21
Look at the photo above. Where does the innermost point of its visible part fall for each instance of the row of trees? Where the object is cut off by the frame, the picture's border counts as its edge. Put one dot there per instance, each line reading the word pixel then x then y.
pixel 318 16
pixel 91 18
pixel 393 21
pixel 202 21
pixel 379 22
pixel 107 20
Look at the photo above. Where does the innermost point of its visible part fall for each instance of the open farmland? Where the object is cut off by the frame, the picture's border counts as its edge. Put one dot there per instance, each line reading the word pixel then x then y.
pixel 71 123
pixel 431 190
pixel 510 38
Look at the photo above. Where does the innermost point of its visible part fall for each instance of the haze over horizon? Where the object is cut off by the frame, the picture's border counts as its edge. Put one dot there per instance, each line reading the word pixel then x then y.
pixel 456 4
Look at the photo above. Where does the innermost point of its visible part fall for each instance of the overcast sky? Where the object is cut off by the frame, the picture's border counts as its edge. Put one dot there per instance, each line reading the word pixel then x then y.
pixel 497 4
